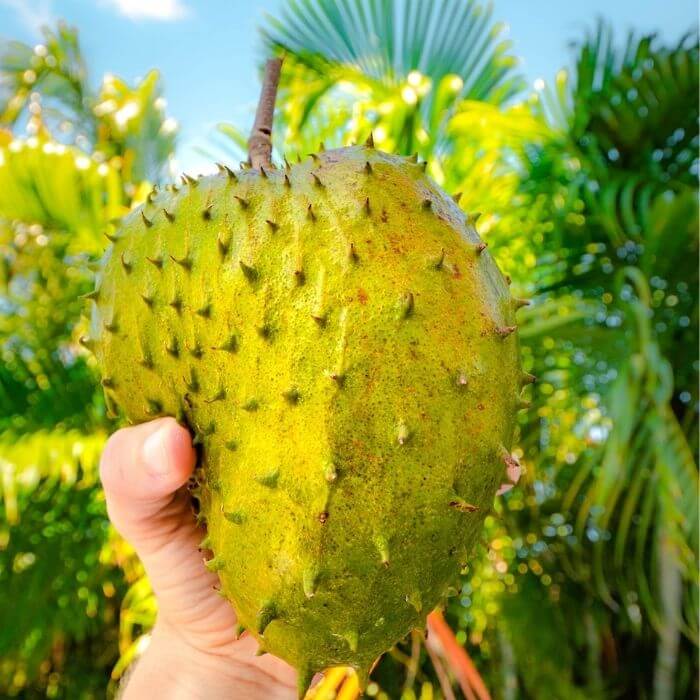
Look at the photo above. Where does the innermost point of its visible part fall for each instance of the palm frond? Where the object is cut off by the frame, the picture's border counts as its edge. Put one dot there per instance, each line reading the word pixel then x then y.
pixel 645 459
pixel 125 125
pixel 55 69
pixel 632 108
pixel 386 40
pixel 399 66
pixel 133 128
pixel 58 586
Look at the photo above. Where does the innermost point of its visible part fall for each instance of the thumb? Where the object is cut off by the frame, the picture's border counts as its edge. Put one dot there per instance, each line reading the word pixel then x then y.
pixel 142 468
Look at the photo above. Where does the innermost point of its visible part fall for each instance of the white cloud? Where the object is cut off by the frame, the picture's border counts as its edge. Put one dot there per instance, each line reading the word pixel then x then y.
pixel 164 10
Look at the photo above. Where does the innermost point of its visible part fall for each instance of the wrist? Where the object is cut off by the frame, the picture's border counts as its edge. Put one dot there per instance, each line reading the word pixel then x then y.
pixel 172 669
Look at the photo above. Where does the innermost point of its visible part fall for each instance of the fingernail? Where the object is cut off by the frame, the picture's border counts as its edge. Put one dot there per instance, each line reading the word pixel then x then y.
pixel 155 453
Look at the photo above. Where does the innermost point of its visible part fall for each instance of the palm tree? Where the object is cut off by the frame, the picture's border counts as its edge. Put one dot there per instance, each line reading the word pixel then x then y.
pixel 624 244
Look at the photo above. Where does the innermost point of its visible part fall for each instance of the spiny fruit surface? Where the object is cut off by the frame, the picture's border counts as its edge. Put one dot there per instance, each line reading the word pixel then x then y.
pixel 342 347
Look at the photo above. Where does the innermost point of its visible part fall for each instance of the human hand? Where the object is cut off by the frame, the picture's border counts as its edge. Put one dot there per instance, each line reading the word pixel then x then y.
pixel 194 652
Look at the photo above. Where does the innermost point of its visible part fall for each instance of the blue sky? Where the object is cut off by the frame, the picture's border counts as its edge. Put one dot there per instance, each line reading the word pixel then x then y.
pixel 208 50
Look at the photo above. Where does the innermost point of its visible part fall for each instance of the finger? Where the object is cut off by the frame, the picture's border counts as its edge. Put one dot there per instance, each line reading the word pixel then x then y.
pixel 141 468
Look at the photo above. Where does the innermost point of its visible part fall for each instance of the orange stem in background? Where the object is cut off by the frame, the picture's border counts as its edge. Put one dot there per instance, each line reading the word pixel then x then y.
pixel 457 658
pixel 443 678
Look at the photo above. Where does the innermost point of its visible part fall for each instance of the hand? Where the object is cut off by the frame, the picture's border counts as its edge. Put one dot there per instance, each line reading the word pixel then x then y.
pixel 194 652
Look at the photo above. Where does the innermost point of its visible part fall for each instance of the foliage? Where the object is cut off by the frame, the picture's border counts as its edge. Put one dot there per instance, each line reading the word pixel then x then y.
pixel 608 437
pixel 585 582
pixel 82 164
pixel 48 86
pixel 398 69
pixel 54 561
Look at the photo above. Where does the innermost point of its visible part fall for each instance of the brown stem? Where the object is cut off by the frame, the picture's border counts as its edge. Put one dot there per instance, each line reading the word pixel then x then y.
pixel 260 141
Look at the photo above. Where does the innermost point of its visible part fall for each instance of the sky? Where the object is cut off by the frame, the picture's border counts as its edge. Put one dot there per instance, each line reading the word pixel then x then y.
pixel 208 51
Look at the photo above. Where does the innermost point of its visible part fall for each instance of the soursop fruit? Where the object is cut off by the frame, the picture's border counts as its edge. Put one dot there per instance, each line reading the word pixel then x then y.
pixel 342 348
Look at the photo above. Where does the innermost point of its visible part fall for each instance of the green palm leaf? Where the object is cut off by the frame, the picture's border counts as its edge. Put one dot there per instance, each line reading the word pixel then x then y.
pixel 59 587
pixel 55 69
pixel 400 66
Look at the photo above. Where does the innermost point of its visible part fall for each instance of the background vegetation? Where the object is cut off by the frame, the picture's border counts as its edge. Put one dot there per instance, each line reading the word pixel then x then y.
pixel 585 582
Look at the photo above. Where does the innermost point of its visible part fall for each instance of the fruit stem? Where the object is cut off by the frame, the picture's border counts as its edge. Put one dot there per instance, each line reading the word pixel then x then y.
pixel 260 141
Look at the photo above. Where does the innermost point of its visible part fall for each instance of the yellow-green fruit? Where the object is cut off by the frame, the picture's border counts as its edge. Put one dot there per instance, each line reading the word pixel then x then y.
pixel 342 347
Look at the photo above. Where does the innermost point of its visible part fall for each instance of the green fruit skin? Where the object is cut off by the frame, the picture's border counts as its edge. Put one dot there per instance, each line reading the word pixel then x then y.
pixel 349 372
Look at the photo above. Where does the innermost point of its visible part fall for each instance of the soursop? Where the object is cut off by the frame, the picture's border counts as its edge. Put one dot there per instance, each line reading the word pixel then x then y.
pixel 343 349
